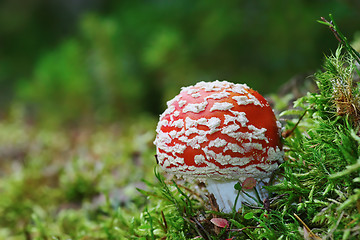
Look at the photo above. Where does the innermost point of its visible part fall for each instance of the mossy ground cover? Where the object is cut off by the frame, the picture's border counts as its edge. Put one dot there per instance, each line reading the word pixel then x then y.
pixel 76 184
pixel 102 182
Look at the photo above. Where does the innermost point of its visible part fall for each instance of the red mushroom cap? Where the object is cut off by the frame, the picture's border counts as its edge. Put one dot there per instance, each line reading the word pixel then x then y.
pixel 219 130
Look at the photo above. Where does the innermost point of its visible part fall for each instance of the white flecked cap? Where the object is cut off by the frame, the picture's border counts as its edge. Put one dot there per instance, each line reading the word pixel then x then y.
pixel 219 130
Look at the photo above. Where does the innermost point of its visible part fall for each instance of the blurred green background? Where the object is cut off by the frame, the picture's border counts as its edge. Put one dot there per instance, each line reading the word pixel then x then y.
pixel 76 61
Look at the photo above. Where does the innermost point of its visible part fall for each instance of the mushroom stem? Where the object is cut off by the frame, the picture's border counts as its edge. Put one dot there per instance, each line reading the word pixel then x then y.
pixel 225 194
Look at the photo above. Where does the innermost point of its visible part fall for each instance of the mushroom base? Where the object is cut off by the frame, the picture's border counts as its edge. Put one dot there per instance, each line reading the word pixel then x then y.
pixel 225 194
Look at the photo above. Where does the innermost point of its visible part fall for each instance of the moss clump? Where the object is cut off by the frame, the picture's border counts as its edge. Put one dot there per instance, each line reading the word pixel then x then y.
pixel 322 169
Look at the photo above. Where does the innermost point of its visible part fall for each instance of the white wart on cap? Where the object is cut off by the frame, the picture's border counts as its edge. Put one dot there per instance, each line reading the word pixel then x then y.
pixel 220 131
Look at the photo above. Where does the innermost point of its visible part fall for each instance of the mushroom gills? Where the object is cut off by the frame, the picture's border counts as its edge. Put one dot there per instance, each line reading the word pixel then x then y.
pixel 225 194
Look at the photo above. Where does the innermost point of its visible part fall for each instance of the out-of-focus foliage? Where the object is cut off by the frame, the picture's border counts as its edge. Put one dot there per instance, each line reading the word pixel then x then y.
pixel 71 183
pixel 133 56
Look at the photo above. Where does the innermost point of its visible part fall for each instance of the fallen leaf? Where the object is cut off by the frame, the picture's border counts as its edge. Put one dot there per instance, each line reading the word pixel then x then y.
pixel 249 183
pixel 220 222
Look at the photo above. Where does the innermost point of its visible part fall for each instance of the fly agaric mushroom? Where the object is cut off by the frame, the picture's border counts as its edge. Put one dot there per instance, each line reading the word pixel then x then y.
pixel 222 133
